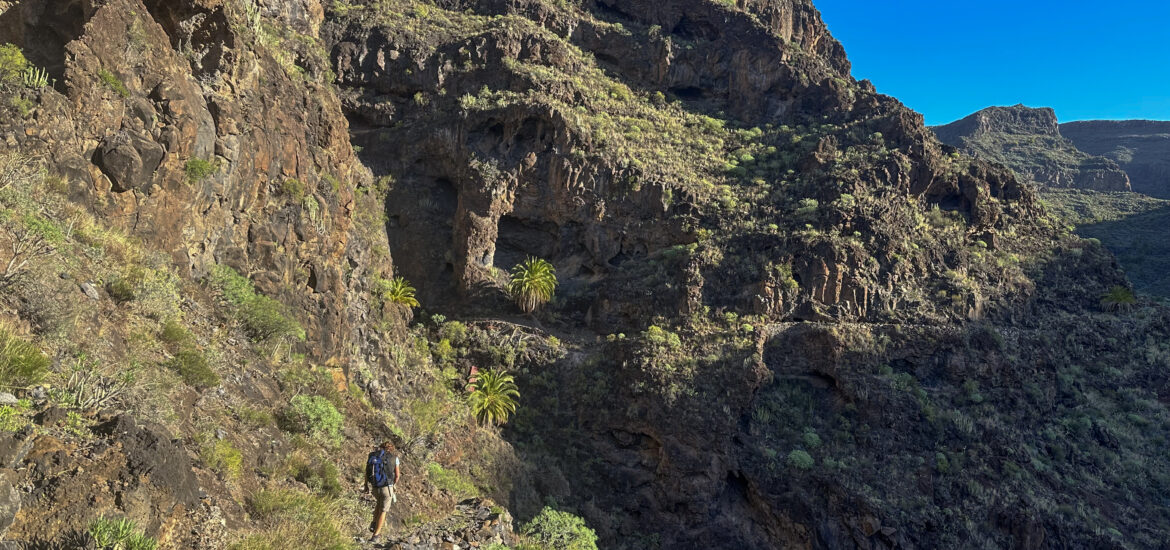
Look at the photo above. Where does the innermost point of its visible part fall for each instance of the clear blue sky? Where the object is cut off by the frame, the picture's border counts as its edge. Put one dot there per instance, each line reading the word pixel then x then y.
pixel 949 58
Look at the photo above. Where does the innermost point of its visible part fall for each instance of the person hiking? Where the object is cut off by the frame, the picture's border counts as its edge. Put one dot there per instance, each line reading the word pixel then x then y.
pixel 378 476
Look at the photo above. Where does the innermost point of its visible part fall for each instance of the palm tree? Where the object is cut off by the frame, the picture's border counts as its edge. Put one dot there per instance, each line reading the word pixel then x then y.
pixel 1118 298
pixel 494 397
pixel 533 283
pixel 397 290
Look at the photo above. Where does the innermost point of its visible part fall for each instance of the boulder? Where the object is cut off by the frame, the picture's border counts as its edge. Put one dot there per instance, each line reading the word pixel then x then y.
pixel 129 160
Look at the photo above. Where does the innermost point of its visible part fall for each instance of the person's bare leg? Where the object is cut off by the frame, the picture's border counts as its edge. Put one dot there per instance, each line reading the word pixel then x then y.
pixel 379 519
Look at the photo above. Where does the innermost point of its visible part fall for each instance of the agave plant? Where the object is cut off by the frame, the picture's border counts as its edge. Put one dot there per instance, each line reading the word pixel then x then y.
pixel 398 290
pixel 494 397
pixel 533 283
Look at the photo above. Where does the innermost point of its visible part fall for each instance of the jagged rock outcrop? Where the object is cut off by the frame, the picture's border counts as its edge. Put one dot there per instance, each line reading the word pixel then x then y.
pixel 1141 147
pixel 1029 141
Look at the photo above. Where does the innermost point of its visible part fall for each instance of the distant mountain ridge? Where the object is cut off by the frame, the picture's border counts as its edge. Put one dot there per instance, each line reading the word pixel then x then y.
pixel 1029 141
pixel 1140 147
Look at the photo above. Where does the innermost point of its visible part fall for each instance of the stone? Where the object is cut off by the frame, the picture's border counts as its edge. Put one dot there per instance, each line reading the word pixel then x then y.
pixel 129 160
pixel 90 291
pixel 9 500
pixel 870 525
pixel 8 399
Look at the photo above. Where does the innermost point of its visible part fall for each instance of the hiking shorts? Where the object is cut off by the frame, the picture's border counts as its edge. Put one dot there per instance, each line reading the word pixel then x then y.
pixel 385 497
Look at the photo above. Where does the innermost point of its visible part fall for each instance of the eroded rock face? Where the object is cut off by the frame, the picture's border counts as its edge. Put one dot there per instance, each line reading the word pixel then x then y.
pixel 483 189
pixel 1029 141
pixel 131 113
pixel 1141 147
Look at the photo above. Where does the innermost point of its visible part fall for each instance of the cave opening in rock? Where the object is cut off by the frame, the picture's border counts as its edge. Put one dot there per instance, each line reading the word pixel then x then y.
pixel 689 29
pixel 420 214
pixel 517 239
pixel 42 29
pixel 689 93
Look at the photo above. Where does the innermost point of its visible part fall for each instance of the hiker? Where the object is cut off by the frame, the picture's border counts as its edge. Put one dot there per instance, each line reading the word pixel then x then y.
pixel 378 476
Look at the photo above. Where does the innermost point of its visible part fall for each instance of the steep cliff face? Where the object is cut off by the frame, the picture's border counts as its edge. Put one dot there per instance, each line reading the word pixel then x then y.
pixel 1141 147
pixel 787 315
pixel 1029 141
pixel 704 176
pixel 548 134
pixel 182 125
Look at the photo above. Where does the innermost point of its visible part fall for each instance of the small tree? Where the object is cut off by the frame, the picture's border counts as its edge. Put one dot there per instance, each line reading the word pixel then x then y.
pixel 533 283
pixel 494 397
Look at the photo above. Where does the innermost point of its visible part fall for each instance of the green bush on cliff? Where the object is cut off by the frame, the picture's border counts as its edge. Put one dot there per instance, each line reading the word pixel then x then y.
pixel 1118 298
pixel 12 64
pixel 220 455
pixel 198 169
pixel 451 481
pixel 292 519
pixel 800 459
pixel 558 530
pixel 21 363
pixel 314 416
pixel 190 364
pixel 115 83
pixel 118 534
pixel 264 318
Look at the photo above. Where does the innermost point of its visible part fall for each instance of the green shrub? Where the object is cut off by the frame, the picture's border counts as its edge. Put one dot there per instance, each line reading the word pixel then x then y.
pixel 557 530
pixel 12 64
pixel 118 534
pixel 223 457
pixel 253 418
pixel 174 332
pixel 396 290
pixel 192 367
pixel 451 481
pixel 122 290
pixel 314 416
pixel 264 318
pixel 290 519
pixel 293 188
pixel 321 477
pixel 198 169
pixel 533 283
pixel 14 418
pixel 21 363
pixel 236 288
pixel 23 106
pixel 494 398
pixel 115 83
pixel 800 459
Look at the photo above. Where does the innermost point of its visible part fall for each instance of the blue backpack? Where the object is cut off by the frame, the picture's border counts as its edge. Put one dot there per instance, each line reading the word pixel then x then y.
pixel 376 469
